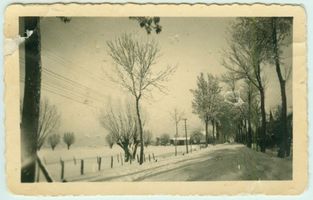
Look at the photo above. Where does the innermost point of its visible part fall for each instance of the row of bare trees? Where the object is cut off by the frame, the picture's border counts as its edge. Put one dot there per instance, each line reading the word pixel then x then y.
pixel 48 125
pixel 255 43
pixel 68 139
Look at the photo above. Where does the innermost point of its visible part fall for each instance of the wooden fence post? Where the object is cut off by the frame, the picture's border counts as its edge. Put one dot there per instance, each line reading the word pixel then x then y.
pixel 81 167
pixel 37 172
pixel 117 156
pixel 44 171
pixel 137 158
pixel 74 160
pixel 111 161
pixel 62 169
pixel 153 156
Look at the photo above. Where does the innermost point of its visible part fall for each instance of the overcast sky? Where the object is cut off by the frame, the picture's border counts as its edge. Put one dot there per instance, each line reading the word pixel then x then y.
pixel 77 52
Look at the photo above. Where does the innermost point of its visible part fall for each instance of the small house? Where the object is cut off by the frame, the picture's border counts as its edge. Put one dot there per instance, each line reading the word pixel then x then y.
pixel 179 140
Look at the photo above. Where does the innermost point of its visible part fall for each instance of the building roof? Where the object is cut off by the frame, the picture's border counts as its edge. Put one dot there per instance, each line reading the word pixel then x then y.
pixel 180 138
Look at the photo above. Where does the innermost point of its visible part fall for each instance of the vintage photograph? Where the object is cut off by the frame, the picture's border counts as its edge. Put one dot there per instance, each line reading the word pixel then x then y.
pixel 153 98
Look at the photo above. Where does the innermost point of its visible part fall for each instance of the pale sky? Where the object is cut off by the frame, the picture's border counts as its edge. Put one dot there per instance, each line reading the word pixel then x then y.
pixel 78 52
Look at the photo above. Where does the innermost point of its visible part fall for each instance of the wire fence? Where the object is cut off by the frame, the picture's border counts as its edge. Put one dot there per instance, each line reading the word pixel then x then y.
pixel 68 168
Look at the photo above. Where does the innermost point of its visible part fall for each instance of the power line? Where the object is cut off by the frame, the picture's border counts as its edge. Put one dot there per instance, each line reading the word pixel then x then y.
pixel 78 66
pixel 68 98
pixel 44 87
pixel 68 89
pixel 70 81
pixel 72 85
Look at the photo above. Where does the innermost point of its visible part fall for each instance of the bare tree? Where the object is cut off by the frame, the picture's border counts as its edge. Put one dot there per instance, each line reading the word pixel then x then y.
pixel 122 127
pixel 246 54
pixel 176 116
pixel 49 121
pixel 53 140
pixel 147 137
pixel 109 140
pixel 31 100
pixel 278 36
pixel 69 139
pixel 134 69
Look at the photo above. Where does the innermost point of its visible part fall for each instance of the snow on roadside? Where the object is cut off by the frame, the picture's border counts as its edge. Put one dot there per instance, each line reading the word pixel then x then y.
pixel 73 157
pixel 131 172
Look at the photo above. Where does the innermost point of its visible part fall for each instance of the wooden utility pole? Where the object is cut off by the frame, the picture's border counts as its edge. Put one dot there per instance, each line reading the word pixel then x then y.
pixel 186 135
pixel 176 135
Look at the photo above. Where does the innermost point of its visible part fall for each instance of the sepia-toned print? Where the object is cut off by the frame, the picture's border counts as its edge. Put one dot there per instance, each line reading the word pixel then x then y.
pixel 156 98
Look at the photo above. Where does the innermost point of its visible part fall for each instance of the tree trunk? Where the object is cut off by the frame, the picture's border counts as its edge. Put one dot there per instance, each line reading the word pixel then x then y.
pixel 249 139
pixel 263 121
pixel 135 149
pixel 31 100
pixel 140 132
pixel 283 143
pixel 125 148
pixel 213 131
pixel 245 131
pixel 128 155
pixel 206 131
pixel 217 132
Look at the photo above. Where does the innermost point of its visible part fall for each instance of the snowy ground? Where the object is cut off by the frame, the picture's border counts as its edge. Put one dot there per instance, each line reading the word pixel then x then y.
pixel 219 162
pixel 73 157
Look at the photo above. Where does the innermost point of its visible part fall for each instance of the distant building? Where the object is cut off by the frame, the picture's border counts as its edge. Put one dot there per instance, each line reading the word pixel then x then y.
pixel 180 140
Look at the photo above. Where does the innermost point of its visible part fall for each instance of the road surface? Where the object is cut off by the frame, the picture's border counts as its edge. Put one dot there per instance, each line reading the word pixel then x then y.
pixel 226 164
pixel 221 162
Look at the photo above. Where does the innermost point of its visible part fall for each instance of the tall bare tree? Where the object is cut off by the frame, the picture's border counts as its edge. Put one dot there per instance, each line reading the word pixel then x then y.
pixel 49 120
pixel 135 62
pixel 245 57
pixel 31 99
pixel 279 34
pixel 206 99
pixel 176 116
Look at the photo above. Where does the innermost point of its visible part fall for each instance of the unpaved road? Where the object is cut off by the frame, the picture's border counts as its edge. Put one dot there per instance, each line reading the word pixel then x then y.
pixel 240 163
pixel 224 162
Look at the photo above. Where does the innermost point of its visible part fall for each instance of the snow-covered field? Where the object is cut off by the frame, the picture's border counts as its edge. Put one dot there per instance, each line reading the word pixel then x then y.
pixel 72 159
